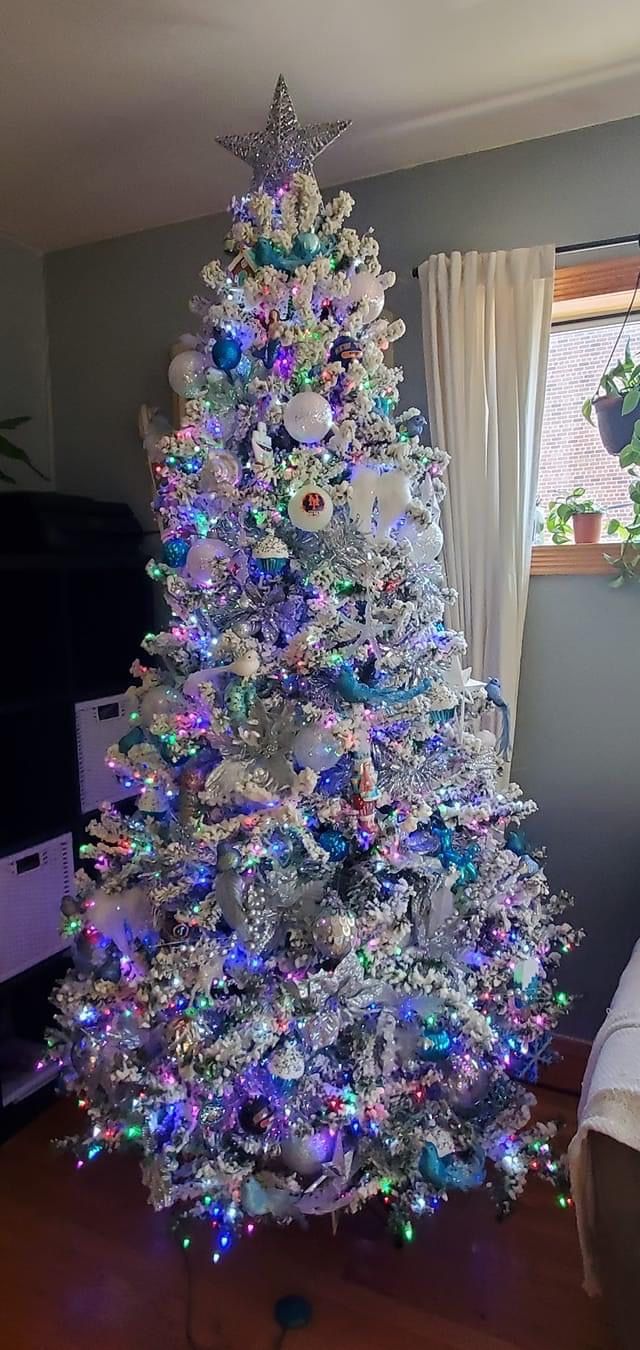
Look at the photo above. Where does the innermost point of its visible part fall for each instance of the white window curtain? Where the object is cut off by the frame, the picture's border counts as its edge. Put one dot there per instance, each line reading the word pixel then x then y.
pixel 486 321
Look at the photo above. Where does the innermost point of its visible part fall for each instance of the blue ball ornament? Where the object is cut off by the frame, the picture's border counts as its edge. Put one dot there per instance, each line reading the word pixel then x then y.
pixel 174 552
pixel 226 352
pixel 334 843
pixel 292 1312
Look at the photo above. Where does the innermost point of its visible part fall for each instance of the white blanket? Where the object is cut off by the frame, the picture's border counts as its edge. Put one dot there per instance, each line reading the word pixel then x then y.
pixel 609 1102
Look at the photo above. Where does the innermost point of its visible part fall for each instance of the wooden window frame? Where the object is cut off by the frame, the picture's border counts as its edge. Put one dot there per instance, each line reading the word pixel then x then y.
pixel 588 291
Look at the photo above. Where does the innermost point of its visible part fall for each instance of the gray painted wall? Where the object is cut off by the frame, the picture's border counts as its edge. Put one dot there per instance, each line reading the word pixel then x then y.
pixel 115 307
pixel 577 754
pixel 24 361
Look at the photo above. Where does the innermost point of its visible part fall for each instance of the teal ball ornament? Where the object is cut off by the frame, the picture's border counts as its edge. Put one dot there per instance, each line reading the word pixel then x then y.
pixel 436 1045
pixel 226 352
pixel 307 245
pixel 333 843
pixel 174 552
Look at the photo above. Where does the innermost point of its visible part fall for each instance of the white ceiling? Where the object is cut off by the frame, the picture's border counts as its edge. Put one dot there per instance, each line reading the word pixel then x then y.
pixel 109 108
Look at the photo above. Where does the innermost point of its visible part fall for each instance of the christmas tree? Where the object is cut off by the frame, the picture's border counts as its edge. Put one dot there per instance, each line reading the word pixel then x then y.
pixel 316 962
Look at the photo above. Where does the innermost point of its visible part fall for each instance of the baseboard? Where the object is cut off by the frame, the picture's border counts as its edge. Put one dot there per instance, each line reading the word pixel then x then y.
pixel 565 1074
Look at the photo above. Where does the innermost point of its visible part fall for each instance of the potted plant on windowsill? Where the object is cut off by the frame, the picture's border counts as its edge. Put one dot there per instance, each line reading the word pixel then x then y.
pixel 577 513
pixel 616 405
pixel 10 451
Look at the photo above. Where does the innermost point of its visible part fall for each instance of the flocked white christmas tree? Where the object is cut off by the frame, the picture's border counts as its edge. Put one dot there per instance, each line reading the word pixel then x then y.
pixel 316 961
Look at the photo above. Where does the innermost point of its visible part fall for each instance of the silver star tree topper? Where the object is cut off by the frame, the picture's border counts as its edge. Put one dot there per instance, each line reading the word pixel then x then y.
pixel 284 146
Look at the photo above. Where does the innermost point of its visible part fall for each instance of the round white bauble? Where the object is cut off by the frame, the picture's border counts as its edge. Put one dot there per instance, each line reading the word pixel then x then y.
pixel 307 1153
pixel 308 417
pixel 202 558
pixel 367 291
pixel 486 738
pixel 425 544
pixel 315 747
pixel 159 701
pixel 310 508
pixel 186 374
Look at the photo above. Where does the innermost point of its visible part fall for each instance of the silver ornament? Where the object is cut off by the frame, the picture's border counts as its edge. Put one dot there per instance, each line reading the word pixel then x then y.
pixel 287 1062
pixel 467 1085
pixel 334 932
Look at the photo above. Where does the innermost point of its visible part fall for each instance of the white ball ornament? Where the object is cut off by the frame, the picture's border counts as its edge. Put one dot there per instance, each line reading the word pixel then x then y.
pixel 310 508
pixel 368 292
pixel 202 559
pixel 308 417
pixel 426 545
pixel 187 374
pixel 315 747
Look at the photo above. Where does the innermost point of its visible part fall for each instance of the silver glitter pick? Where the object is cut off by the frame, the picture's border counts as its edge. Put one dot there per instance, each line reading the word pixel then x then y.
pixel 284 146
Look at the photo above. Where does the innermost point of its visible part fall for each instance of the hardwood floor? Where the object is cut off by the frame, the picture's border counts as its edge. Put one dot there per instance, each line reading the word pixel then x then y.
pixel 87 1265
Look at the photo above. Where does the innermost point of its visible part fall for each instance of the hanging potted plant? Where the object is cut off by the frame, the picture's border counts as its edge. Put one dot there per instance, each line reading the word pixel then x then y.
pixel 615 404
pixel 574 513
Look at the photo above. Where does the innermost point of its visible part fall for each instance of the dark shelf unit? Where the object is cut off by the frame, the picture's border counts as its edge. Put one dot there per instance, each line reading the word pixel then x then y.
pixel 76 602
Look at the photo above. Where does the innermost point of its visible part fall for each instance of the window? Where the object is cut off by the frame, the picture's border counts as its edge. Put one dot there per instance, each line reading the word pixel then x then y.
pixel 589 303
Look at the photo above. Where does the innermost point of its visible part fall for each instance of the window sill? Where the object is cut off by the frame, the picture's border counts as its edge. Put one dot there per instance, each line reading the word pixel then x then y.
pixel 552 560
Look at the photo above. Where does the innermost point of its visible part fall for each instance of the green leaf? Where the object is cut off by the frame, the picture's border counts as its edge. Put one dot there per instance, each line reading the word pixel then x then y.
pixel 587 411
pixel 613 527
pixel 10 451
pixel 630 401
pixel 577 492
pixel 616 583
pixel 630 455
pixel 10 423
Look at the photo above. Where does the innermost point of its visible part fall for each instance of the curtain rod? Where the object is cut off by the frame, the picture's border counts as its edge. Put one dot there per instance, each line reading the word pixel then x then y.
pixel 588 244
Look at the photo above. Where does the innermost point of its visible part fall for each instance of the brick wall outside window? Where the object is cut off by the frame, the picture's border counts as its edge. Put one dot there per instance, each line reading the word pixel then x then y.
pixel 572 454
